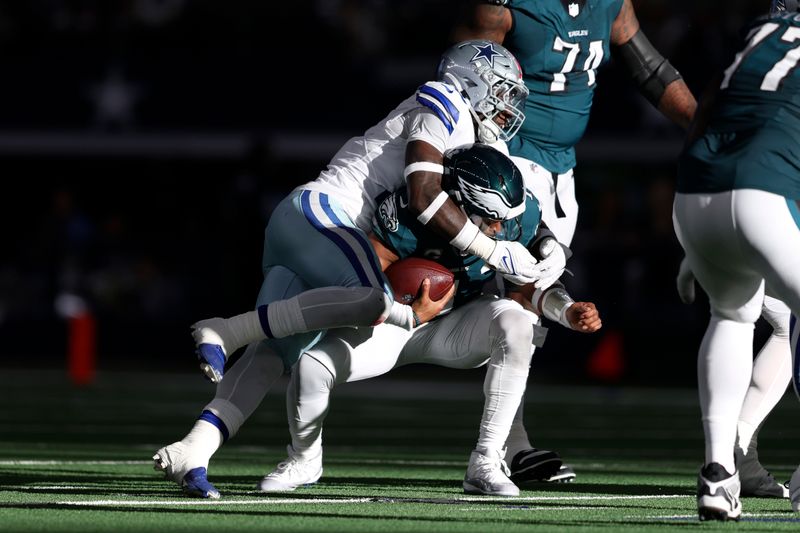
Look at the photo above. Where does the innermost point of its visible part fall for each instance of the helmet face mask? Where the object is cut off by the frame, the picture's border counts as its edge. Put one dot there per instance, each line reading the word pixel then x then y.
pixel 784 6
pixel 487 186
pixel 490 79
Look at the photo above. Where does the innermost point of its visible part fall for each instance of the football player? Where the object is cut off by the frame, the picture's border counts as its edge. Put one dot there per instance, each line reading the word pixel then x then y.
pixel 478 97
pixel 772 372
pixel 320 270
pixel 736 215
pixel 560 45
pixel 480 330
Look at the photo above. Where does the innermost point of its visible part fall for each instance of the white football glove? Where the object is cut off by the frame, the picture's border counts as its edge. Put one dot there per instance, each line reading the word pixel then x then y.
pixel 685 282
pixel 513 261
pixel 551 268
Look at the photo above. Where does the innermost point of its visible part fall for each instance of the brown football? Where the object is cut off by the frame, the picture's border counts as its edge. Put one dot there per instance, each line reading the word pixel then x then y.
pixel 407 274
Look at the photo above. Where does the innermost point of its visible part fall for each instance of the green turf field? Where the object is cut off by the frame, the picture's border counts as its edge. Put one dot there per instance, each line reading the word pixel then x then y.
pixel 78 460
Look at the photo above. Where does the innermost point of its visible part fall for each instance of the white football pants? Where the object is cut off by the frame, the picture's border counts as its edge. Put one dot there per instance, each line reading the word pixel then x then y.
pixel 735 241
pixel 489 330
pixel 556 195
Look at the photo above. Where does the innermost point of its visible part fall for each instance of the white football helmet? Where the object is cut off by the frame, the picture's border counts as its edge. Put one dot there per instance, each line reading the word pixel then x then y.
pixel 490 79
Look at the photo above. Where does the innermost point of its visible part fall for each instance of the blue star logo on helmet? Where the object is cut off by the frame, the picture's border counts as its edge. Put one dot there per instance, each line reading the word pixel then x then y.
pixel 486 52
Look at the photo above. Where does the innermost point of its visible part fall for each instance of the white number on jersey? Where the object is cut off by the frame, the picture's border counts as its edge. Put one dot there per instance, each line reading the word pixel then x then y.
pixel 772 80
pixel 572 50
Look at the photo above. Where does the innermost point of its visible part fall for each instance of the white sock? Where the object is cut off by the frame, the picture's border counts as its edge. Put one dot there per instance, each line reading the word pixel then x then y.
pixel 772 373
pixel 724 366
pixel 517 437
pixel 202 441
pixel 510 338
pixel 503 389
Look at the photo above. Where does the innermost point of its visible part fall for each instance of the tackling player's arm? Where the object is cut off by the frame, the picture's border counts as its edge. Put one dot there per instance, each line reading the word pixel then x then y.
pixel 484 19
pixel 425 199
pixel 656 78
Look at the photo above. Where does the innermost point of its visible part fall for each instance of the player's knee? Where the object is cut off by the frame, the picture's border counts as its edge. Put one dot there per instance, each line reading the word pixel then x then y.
pixel 777 314
pixel 312 375
pixel 741 315
pixel 377 305
pixel 512 331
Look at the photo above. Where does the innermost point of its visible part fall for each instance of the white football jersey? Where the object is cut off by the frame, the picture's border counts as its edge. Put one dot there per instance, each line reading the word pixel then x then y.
pixel 367 166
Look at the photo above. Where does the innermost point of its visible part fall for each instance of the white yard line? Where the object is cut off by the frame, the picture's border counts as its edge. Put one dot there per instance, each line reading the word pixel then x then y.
pixel 165 503
pixel 284 501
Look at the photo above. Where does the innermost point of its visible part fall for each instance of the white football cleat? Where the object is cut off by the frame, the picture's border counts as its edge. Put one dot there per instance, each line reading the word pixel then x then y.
pixel 190 475
pixel 292 473
pixel 718 494
pixel 794 490
pixel 487 473
pixel 755 479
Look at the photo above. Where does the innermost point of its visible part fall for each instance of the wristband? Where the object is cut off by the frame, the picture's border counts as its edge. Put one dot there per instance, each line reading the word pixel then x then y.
pixel 554 305
pixel 481 246
pixel 466 236
pixel 401 315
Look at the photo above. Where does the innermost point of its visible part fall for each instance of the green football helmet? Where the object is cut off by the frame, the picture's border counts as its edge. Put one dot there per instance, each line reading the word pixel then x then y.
pixel 484 182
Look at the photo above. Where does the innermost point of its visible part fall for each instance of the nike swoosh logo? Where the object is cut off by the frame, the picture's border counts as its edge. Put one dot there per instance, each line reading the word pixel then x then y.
pixel 508 264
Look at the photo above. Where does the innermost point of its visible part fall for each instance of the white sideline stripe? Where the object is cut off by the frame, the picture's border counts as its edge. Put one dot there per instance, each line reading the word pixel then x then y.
pixel 262 501
pixel 282 501
pixel 35 462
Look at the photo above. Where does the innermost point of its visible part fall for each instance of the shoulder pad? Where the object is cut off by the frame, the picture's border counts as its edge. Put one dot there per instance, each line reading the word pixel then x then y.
pixel 445 102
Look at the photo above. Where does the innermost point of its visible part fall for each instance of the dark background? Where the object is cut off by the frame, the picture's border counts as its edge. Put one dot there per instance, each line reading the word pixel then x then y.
pixel 143 144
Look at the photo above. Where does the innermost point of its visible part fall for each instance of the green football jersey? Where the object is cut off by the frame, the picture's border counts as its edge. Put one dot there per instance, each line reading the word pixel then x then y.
pixel 560 44
pixel 752 140
pixel 402 233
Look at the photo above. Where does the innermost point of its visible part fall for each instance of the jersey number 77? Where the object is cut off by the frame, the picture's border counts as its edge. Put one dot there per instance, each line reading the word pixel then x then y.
pixel 775 76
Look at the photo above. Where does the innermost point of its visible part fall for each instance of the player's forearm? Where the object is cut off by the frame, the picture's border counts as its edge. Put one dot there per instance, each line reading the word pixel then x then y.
pixel 445 218
pixel 657 79
pixel 678 104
